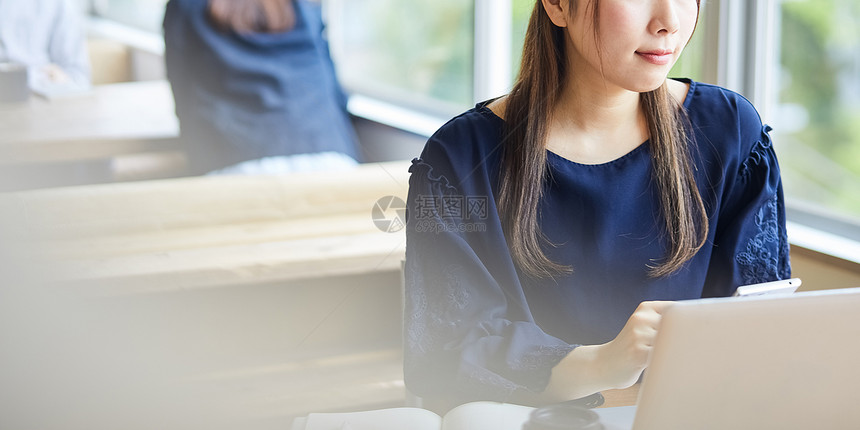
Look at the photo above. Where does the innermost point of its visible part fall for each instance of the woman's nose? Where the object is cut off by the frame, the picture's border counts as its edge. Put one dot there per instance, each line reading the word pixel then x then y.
pixel 664 17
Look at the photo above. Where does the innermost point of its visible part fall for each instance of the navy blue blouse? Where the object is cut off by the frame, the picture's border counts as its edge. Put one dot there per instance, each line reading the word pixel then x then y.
pixel 477 330
pixel 244 96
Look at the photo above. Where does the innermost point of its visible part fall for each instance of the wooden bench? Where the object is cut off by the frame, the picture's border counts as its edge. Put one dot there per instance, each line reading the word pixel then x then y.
pixel 214 231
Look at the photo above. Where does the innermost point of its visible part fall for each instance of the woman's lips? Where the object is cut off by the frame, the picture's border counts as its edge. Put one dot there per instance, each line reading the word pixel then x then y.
pixel 658 57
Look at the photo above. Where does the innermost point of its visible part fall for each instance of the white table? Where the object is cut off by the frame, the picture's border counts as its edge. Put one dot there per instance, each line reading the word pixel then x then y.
pixel 107 121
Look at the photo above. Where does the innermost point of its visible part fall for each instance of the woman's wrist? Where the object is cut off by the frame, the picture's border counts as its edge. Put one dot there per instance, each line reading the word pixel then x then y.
pixel 592 370
pixel 577 375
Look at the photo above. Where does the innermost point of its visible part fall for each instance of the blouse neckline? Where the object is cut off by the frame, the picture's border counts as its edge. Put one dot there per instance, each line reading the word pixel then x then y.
pixel 483 107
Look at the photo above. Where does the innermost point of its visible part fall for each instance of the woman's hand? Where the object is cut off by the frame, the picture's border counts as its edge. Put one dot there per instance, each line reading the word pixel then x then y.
pixel 616 364
pixel 622 360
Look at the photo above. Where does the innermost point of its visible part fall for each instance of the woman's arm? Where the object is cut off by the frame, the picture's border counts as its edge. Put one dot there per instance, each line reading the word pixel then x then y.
pixel 617 364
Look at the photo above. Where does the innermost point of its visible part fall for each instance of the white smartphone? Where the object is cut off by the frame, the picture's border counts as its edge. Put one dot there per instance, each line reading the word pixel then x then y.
pixel 786 286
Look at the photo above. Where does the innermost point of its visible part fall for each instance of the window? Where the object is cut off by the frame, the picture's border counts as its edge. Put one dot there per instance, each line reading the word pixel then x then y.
pixel 521 12
pixel 144 15
pixel 691 64
pixel 416 53
pixel 817 115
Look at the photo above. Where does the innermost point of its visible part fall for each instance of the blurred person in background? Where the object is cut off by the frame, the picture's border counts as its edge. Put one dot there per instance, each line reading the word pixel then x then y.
pixel 47 36
pixel 255 87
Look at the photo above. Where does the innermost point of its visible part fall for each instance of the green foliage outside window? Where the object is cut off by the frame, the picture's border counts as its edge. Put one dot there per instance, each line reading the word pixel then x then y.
pixel 818 122
pixel 416 52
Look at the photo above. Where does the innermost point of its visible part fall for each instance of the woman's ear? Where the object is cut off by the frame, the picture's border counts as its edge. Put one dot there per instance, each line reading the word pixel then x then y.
pixel 558 11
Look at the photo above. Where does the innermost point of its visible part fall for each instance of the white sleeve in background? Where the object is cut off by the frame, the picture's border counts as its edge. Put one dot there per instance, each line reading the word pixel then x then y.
pixel 37 33
pixel 67 46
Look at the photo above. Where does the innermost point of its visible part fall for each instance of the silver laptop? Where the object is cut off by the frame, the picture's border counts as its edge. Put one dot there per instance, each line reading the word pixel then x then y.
pixel 767 362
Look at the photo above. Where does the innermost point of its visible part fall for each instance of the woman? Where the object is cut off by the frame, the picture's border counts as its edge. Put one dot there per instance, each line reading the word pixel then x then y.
pixel 255 86
pixel 544 238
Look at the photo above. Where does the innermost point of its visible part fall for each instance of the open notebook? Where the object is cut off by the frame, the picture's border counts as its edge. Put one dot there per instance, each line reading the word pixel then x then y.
pixel 471 416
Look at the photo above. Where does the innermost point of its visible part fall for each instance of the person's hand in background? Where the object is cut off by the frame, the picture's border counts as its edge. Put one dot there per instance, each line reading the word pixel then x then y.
pixel 55 74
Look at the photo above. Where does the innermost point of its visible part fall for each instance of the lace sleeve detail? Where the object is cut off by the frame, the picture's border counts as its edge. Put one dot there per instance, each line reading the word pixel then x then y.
pixel 766 255
pixel 428 326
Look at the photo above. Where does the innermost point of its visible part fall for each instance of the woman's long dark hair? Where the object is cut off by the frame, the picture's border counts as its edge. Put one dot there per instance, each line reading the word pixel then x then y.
pixel 542 77
pixel 253 16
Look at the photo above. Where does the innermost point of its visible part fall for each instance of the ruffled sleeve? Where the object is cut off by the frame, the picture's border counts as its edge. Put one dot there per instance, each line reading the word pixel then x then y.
pixel 469 334
pixel 751 245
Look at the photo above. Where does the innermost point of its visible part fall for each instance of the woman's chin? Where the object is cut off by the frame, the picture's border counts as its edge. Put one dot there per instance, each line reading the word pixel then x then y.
pixel 648 85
